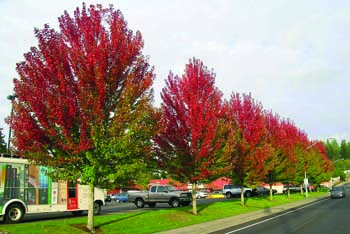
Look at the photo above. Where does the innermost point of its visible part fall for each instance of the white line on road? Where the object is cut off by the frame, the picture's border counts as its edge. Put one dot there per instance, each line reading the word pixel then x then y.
pixel 275 217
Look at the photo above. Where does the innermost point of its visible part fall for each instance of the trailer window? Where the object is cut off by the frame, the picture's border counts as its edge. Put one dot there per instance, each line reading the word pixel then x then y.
pixel 72 189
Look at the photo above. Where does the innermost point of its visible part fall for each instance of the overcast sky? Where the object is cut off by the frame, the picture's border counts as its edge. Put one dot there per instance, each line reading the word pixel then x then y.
pixel 292 56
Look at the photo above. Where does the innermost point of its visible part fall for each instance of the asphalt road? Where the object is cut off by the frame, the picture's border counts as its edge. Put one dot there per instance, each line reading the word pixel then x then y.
pixel 327 216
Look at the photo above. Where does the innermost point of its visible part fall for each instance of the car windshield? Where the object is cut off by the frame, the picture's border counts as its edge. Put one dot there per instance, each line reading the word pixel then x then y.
pixel 337 189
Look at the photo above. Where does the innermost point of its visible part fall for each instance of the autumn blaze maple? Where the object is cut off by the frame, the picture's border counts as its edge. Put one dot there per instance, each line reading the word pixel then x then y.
pixel 247 149
pixel 187 147
pixel 84 99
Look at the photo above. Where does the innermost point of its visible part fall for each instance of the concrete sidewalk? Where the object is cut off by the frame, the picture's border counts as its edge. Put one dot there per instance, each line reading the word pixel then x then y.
pixel 220 224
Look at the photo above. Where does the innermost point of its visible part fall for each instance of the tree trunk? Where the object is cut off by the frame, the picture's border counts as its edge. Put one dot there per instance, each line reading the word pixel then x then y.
pixel 301 190
pixel 271 194
pixel 242 196
pixel 194 198
pixel 288 194
pixel 90 224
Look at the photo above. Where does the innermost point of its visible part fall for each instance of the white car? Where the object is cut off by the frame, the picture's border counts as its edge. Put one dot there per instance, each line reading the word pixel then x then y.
pixel 201 194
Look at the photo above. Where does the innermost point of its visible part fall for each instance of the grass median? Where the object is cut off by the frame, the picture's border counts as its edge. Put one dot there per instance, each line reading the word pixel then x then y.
pixel 146 221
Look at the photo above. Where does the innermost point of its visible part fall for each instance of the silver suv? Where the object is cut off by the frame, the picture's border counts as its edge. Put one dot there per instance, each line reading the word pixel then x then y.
pixel 231 190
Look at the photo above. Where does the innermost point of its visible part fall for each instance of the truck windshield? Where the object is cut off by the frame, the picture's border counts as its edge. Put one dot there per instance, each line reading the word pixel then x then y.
pixel 171 188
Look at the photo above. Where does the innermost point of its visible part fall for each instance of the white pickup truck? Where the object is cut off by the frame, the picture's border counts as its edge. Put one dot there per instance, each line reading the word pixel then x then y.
pixel 230 190
pixel 160 194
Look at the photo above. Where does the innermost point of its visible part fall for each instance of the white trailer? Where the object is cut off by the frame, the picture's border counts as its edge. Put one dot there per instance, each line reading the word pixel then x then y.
pixel 26 189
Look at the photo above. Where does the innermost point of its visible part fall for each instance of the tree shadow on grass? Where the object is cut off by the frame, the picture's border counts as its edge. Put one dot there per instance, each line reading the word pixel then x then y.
pixel 120 219
pixel 202 207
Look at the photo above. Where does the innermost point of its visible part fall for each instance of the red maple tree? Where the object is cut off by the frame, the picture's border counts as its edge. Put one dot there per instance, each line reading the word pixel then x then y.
pixel 84 99
pixel 286 140
pixel 293 141
pixel 272 124
pixel 188 145
pixel 246 148
pixel 319 167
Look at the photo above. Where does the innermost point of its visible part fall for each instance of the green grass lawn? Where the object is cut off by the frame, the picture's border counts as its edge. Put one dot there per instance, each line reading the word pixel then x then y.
pixel 144 221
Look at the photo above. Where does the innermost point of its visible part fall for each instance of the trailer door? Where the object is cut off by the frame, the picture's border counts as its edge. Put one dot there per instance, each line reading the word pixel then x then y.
pixel 72 195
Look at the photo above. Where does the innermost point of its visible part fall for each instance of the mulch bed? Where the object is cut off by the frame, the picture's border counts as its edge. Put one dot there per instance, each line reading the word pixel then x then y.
pixel 85 229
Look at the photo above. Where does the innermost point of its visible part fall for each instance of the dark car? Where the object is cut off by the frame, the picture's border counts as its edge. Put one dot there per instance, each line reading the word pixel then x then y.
pixel 262 191
pixel 338 192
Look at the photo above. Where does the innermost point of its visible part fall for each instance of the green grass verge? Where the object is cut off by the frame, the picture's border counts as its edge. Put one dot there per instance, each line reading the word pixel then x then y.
pixel 143 221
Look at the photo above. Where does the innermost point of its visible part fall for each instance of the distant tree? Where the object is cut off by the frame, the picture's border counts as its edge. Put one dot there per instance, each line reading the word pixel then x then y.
pixel 84 100
pixel 188 145
pixel 292 143
pixel 249 147
pixel 320 168
pixel 3 146
pixel 333 149
pixel 344 150
pixel 273 127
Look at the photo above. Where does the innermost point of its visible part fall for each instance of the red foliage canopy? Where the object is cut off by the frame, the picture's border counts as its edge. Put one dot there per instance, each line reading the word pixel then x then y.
pixel 248 150
pixel 285 139
pixel 191 107
pixel 75 79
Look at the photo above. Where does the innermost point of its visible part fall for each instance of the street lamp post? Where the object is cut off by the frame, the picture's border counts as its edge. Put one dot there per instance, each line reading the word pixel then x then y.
pixel 11 98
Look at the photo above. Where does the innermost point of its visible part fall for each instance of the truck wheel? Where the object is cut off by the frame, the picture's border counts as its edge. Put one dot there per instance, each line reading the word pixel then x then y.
pixel 186 203
pixel 228 195
pixel 77 212
pixel 248 194
pixel 14 213
pixel 174 202
pixel 139 203
pixel 152 204
pixel 97 208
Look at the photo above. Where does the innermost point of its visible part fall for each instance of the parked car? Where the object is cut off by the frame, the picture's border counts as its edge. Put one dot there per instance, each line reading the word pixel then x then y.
pixel 160 194
pixel 120 197
pixel 292 188
pixel 201 194
pixel 296 188
pixel 338 192
pixel 262 191
pixel 231 190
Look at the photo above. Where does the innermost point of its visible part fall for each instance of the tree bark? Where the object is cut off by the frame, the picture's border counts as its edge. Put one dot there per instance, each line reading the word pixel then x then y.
pixel 194 198
pixel 242 196
pixel 90 224
pixel 271 193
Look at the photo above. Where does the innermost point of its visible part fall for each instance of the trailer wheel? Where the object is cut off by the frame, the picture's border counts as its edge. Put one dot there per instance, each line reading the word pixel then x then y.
pixel 139 203
pixel 175 202
pixel 77 212
pixel 14 213
pixel 97 208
